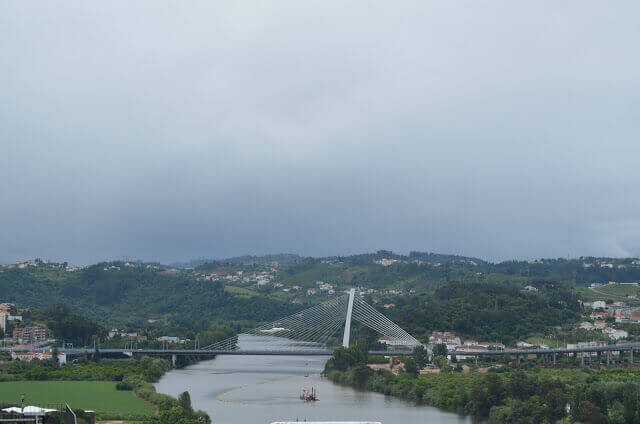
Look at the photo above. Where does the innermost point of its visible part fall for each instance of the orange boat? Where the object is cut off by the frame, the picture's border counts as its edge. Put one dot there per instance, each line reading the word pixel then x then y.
pixel 309 396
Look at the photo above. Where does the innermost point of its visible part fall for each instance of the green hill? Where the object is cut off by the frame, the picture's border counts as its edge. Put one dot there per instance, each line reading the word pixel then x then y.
pixel 253 289
pixel 133 296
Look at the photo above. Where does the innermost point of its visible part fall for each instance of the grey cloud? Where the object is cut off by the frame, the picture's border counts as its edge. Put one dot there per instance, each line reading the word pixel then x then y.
pixel 167 131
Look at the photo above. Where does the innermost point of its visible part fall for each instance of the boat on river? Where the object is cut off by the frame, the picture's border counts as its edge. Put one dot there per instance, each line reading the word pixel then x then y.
pixel 307 396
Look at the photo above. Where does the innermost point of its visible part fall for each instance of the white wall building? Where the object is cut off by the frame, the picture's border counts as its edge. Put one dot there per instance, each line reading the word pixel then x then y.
pixel 615 334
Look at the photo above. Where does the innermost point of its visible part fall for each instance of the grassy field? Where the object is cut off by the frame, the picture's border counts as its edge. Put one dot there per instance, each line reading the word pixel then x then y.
pixel 100 396
pixel 619 289
pixel 552 343
pixel 240 291
pixel 589 295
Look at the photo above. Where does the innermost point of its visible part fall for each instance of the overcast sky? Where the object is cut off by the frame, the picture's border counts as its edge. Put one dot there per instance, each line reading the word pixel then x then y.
pixel 176 130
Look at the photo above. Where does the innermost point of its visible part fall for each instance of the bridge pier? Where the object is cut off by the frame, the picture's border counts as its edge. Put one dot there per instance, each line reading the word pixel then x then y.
pixel 599 355
pixel 608 357
pixel 517 360
pixel 476 359
pixel 174 359
pixel 554 359
pixel 631 356
pixel 582 360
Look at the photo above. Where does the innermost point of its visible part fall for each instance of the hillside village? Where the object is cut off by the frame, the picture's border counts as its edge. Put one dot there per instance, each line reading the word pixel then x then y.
pixel 611 303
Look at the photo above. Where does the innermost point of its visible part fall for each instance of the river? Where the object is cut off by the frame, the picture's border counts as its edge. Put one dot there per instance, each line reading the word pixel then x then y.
pixel 263 389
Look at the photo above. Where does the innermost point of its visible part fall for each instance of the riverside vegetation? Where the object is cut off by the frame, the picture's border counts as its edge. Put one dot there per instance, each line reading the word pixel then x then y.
pixel 502 395
pixel 421 292
pixel 135 375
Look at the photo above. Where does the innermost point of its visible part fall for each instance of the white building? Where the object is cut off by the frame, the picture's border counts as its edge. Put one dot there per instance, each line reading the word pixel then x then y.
pixel 446 337
pixel 463 349
pixel 30 356
pixel 615 334
pixel 386 262
pixel 599 324
pixel 586 325
pixel 392 341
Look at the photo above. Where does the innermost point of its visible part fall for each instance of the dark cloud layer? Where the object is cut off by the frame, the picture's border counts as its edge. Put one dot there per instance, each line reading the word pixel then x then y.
pixel 172 130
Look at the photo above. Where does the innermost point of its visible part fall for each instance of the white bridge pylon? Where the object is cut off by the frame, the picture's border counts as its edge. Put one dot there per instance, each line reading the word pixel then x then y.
pixel 347 325
pixel 314 328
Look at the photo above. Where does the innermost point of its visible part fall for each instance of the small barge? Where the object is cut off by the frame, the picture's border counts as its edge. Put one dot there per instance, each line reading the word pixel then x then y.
pixel 311 396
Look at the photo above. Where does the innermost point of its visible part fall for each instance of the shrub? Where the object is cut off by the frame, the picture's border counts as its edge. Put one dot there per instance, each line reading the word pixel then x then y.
pixel 124 386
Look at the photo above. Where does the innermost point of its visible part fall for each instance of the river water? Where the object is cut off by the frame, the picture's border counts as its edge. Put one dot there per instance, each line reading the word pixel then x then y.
pixel 263 389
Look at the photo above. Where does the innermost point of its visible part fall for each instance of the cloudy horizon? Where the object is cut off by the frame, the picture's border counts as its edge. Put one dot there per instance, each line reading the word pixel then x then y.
pixel 167 131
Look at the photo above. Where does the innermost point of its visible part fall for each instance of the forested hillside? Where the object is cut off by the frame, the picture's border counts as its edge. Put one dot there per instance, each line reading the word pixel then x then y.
pixel 119 297
pixel 428 271
pixel 430 291
pixel 498 312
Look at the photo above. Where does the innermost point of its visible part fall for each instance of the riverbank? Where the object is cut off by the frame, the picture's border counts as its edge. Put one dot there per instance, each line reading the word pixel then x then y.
pixel 504 395
pixel 117 389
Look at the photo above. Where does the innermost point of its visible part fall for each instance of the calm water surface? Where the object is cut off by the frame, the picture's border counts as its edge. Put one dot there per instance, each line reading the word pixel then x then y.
pixel 262 389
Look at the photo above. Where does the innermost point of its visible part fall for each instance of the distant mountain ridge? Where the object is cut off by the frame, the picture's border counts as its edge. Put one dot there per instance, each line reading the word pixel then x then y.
pixel 293 258
pixel 280 258
pixel 251 288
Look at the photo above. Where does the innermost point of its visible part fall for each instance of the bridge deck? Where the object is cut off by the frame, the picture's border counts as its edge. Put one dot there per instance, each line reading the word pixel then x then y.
pixel 328 352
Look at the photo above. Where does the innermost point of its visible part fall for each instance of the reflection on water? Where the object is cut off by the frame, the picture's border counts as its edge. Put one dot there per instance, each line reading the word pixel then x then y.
pixel 262 389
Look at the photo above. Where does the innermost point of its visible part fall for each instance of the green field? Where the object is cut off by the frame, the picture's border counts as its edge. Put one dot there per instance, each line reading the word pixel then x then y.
pixel 100 396
pixel 538 340
pixel 589 295
pixel 240 291
pixel 619 289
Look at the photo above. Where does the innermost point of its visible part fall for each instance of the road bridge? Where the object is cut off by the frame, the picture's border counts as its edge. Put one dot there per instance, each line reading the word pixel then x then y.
pixel 623 347
pixel 309 332
pixel 552 355
pixel 203 352
pixel 560 350
pixel 313 331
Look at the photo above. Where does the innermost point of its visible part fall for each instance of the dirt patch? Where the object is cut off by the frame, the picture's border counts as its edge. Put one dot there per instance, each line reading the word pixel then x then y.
pixel 396 368
pixel 430 370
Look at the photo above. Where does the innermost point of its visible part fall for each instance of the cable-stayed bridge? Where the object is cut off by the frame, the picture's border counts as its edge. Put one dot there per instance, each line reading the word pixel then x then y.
pixel 314 330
